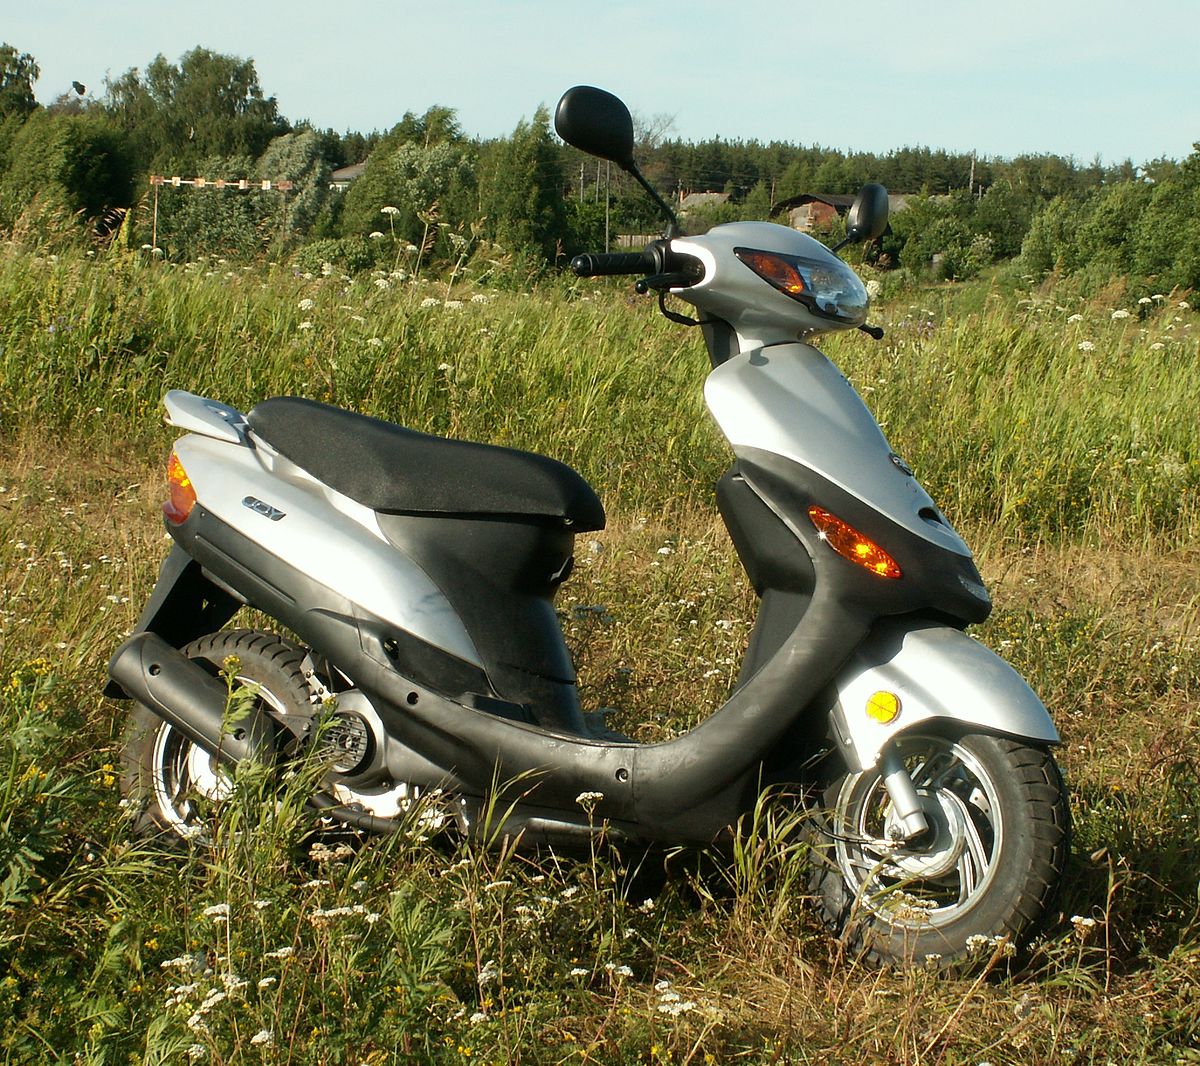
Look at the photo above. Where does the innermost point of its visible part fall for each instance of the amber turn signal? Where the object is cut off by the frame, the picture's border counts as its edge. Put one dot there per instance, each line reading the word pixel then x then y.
pixel 776 269
pixel 849 543
pixel 183 496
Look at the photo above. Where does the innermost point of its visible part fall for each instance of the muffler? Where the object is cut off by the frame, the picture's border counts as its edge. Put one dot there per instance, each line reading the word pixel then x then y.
pixel 183 693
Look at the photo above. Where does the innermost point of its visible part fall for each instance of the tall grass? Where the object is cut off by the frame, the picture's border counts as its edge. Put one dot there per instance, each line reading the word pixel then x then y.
pixel 409 950
pixel 1012 415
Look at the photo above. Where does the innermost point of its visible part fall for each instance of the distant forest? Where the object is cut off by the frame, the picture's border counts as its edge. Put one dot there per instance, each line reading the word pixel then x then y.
pixel 79 167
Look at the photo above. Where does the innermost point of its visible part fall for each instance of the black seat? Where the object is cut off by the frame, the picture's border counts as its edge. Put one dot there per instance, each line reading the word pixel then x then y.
pixel 401 471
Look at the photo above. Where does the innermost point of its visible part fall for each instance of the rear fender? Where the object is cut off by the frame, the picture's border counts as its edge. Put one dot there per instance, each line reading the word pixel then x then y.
pixel 939 675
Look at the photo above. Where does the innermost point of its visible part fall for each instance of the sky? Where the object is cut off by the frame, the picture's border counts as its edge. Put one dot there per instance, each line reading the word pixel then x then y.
pixel 1080 78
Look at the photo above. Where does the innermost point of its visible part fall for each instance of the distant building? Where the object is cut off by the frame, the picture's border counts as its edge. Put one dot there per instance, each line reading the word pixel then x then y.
pixel 811 209
pixel 690 201
pixel 342 178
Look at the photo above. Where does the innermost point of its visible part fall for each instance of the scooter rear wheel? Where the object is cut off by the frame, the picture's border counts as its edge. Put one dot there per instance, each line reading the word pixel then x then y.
pixel 168 779
pixel 988 868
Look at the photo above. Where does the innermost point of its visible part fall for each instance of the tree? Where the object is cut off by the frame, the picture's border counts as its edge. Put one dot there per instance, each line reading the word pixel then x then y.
pixel 18 72
pixel 298 157
pixel 208 105
pixel 521 186
pixel 75 162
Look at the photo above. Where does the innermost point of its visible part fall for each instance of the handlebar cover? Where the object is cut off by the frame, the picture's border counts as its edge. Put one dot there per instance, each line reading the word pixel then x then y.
pixel 598 264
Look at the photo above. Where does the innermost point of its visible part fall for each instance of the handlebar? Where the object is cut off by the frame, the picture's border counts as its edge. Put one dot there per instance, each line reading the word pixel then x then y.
pixel 599 264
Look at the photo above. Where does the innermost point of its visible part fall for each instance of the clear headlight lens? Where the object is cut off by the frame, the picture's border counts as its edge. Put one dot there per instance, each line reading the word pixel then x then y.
pixel 826 286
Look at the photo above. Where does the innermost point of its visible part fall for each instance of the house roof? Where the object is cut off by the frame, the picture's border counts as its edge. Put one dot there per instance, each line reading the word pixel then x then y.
pixel 835 200
pixel 348 173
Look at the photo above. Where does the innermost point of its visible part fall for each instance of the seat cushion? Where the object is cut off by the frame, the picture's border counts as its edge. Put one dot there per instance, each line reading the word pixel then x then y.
pixel 389 468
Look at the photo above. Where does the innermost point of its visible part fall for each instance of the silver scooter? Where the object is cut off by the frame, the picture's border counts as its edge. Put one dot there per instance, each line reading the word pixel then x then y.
pixel 420 573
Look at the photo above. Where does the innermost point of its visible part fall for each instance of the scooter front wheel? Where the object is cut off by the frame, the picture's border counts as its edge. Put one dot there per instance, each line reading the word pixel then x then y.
pixel 988 867
pixel 166 777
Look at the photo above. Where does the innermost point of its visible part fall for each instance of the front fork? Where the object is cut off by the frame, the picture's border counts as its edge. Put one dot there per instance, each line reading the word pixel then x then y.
pixel 910 821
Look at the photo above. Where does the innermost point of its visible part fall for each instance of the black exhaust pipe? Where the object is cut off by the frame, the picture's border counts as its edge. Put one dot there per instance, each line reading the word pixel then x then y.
pixel 187 696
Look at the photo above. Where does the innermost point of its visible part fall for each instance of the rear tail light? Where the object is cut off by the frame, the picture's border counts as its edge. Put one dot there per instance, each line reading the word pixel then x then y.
pixel 182 495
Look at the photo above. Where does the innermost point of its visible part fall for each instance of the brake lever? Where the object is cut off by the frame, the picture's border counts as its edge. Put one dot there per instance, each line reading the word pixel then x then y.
pixel 674 280
pixel 875 332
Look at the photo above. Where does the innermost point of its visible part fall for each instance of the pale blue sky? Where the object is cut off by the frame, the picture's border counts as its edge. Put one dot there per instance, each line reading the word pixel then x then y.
pixel 1076 77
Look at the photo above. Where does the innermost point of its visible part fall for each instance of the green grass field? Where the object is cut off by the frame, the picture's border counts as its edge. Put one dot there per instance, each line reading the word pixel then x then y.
pixel 1065 448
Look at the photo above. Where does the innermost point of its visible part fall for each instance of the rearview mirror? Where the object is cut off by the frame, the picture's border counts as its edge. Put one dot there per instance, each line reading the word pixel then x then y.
pixel 596 122
pixel 868 216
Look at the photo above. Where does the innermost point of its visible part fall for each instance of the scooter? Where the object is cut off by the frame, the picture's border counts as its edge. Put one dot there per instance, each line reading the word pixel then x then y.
pixel 420 573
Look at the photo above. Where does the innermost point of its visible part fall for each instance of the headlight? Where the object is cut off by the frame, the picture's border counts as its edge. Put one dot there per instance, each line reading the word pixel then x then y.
pixel 827 287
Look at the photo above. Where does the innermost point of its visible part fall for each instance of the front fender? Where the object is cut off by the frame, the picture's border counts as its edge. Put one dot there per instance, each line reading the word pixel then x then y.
pixel 939 674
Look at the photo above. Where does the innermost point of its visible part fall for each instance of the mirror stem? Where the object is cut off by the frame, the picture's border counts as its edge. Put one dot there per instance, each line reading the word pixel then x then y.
pixel 673 230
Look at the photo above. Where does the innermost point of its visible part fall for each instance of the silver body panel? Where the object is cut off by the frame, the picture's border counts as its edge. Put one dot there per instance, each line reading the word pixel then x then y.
pixel 326 535
pixel 939 673
pixel 209 417
pixel 790 400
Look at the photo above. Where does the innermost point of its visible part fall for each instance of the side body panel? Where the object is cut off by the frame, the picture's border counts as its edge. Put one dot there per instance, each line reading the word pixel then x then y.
pixel 334 540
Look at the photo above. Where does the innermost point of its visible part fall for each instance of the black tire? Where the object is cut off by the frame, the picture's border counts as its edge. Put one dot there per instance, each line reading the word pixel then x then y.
pixel 164 776
pixel 1000 834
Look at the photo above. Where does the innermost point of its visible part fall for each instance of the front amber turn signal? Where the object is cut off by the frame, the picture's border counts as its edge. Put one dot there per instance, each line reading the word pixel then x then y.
pixel 183 496
pixel 850 544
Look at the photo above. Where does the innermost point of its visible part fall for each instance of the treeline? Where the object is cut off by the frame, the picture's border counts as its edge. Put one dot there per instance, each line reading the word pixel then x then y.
pixel 431 194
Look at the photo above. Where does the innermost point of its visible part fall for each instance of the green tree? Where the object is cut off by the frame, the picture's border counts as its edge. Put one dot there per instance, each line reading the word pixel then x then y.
pixel 298 157
pixel 1165 238
pixel 78 163
pixel 223 222
pixel 409 177
pixel 521 185
pixel 18 72
pixel 209 105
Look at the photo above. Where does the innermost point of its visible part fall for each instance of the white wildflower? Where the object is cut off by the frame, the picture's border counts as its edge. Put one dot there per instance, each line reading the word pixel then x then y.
pixel 666 549
pixel 217 910
pixel 430 301
pixel 196 1052
pixel 578 971
pixel 1184 305
pixel 411 248
pixel 261 904
pixel 1119 314
pixel 264 1037
pixel 375 235
pixel 375 342
pixel 267 982
pixel 589 799
pixel 382 283
pixel 568 893
pixel 1157 346
pixel 281 953
pixel 316 882
pixel 1086 346
pixel 306 325
pixel 453 305
pixel 1145 300
pixel 306 304
pixel 481 298
pixel 389 210
pixel 489 973
pixel 477 1017
pixel 1075 318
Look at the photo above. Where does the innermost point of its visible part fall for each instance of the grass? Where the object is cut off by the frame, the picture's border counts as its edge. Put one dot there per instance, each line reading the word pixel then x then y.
pixel 1073 472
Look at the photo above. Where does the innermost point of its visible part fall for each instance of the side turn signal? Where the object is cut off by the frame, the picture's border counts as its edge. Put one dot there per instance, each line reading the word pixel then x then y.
pixel 183 496
pixel 850 544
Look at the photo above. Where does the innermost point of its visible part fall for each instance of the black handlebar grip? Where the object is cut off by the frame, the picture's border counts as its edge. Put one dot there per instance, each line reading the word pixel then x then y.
pixel 602 263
